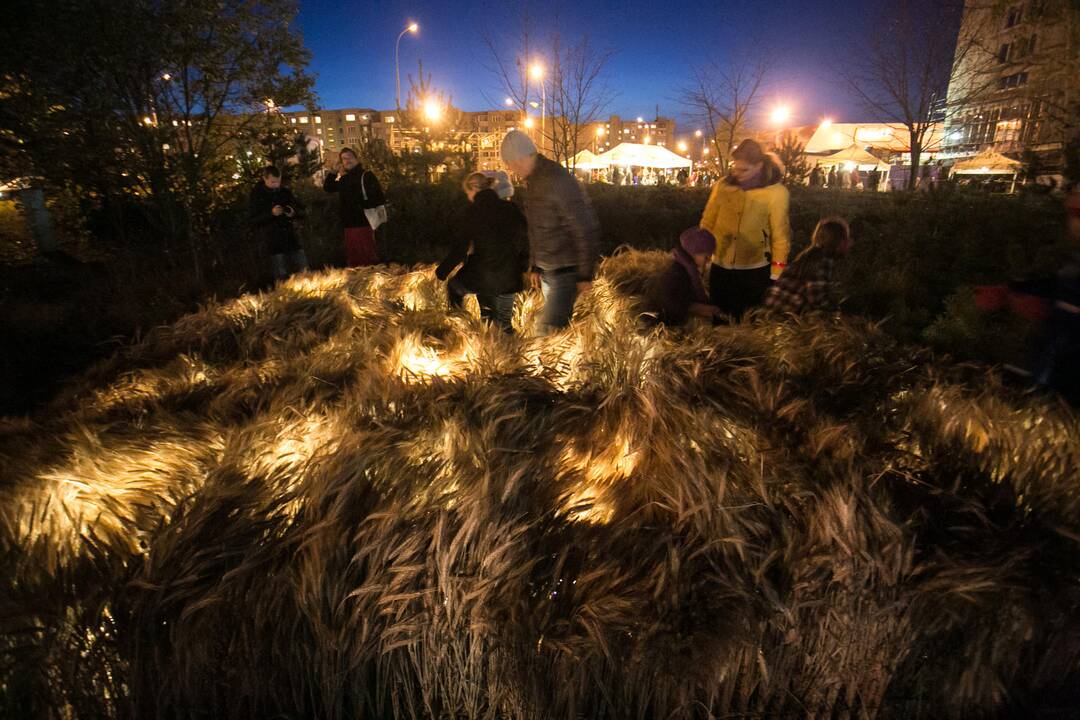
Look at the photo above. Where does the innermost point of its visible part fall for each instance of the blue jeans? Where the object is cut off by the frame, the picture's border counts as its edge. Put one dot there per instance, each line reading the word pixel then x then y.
pixel 496 308
pixel 285 264
pixel 560 294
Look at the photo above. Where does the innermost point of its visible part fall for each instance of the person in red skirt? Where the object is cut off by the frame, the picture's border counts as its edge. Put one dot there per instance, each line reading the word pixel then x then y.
pixel 358 189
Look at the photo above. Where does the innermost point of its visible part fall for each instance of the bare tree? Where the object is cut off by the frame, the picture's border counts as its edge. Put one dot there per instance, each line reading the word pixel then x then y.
pixel 579 95
pixel 722 97
pixel 904 68
pixel 573 83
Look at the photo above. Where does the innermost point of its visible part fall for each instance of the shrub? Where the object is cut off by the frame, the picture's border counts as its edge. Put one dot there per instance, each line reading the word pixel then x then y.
pixel 337 500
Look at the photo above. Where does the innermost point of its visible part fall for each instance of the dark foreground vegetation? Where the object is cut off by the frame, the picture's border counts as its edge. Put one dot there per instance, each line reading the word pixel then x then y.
pixel 915 259
pixel 336 500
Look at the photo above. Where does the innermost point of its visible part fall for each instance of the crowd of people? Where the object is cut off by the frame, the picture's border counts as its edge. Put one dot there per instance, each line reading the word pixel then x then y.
pixel 734 260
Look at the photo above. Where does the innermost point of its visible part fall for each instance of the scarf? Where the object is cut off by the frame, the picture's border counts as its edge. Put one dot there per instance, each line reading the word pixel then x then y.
pixel 683 258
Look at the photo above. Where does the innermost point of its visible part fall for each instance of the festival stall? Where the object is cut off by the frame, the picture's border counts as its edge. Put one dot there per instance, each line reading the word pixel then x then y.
pixel 646 156
pixel 989 165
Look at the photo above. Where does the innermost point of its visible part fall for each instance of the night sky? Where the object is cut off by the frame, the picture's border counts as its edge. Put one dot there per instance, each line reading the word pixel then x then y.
pixel 654 44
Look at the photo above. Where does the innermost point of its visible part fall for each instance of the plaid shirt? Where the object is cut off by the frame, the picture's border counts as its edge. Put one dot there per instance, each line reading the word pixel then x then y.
pixel 807 285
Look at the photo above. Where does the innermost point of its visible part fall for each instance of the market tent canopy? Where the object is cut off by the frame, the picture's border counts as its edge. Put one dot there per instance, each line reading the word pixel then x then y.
pixel 893 137
pixel 854 154
pixel 587 160
pixel 650 156
pixel 987 163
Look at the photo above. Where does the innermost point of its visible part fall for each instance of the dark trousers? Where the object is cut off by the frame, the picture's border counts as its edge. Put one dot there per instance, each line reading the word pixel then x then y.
pixel 499 309
pixel 736 291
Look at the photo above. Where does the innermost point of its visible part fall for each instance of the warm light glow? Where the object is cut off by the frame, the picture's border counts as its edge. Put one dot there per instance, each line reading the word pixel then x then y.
pixel 599 132
pixel 697 133
pixel 705 151
pixel 849 166
pixel 414 28
pixel 529 122
pixel 432 110
pixel 536 72
pixel 166 77
pixel 647 140
pixel 508 102
pixel 681 146
pixel 147 120
pixel 641 119
pixel 780 114
pixel 826 124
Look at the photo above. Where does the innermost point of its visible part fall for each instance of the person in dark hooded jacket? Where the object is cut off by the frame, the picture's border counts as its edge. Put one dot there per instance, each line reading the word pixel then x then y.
pixel 491 241
pixel 272 209
pixel 680 291
pixel 358 190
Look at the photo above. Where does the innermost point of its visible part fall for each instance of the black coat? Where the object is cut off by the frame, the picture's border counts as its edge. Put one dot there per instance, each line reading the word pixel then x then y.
pixel 351 194
pixel 496 230
pixel 277 231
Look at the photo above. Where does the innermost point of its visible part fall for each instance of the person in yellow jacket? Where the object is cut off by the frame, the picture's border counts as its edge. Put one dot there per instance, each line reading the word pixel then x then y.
pixel 747 213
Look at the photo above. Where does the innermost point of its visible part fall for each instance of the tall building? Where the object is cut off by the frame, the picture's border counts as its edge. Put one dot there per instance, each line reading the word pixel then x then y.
pixel 1016 78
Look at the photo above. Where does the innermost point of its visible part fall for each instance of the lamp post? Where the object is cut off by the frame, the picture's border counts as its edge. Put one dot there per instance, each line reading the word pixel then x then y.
pixel 411 28
pixel 537 73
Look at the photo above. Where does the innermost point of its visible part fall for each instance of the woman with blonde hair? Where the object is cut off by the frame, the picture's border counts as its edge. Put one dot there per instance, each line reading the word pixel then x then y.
pixel 490 243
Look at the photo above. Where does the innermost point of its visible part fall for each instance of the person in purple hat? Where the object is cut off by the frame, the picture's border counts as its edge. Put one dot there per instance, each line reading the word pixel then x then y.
pixel 680 292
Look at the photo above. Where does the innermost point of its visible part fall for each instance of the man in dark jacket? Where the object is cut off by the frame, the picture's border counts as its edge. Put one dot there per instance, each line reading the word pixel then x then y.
pixel 358 190
pixel 564 236
pixel 491 242
pixel 271 212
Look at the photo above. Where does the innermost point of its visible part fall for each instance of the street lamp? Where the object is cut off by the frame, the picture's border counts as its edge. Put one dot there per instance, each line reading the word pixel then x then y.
pixel 826 124
pixel 599 134
pixel 432 110
pixel 537 73
pixel 780 115
pixel 681 146
pixel 508 102
pixel 411 28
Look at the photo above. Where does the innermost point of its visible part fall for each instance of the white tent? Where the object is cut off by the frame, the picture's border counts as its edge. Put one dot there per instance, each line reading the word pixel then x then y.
pixel 649 156
pixel 587 160
pixel 987 163
pixel 854 154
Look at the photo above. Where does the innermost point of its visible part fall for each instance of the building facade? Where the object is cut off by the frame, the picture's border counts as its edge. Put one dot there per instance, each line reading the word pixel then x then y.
pixel 1019 91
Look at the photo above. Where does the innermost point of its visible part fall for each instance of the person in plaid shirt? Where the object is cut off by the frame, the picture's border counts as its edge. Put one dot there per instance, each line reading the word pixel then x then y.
pixel 809 283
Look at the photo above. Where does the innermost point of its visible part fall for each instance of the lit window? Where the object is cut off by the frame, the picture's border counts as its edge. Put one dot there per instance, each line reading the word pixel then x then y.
pixel 350 117
pixel 303 120
pixel 318 119
pixel 390 119
pixel 319 131
pixel 292 120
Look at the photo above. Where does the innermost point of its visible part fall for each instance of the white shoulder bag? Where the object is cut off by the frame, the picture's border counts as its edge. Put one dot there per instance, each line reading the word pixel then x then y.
pixel 376 216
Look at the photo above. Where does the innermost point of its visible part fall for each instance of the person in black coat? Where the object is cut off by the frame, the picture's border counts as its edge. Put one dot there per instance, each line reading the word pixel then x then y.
pixel 358 189
pixel 271 212
pixel 491 242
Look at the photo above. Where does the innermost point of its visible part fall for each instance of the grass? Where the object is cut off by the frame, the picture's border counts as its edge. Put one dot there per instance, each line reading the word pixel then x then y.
pixel 337 500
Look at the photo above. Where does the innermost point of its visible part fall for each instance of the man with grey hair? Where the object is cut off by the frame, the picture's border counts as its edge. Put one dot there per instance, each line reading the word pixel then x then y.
pixel 564 236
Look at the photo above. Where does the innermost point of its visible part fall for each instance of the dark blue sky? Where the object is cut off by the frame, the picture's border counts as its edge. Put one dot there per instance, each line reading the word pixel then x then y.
pixel 655 43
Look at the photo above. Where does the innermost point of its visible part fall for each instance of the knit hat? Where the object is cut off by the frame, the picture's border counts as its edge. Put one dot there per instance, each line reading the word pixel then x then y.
pixel 515 146
pixel 502 185
pixel 697 241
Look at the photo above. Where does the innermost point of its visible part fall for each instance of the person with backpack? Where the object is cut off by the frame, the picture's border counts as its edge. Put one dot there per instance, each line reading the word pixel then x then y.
pixel 272 209
pixel 362 200
pixel 491 242
pixel 810 282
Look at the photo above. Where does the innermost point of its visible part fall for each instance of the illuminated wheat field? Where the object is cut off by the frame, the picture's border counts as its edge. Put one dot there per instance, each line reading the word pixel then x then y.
pixel 338 500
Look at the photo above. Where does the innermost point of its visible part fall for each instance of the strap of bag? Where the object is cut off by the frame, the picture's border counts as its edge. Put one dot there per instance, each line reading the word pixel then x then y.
pixel 362 188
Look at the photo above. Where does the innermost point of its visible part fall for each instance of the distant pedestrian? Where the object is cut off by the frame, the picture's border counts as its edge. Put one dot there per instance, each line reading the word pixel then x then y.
pixel 856 179
pixel 680 291
pixel 564 236
pixel 815 177
pixel 747 213
pixel 491 242
pixel 831 179
pixel 359 191
pixel 272 209
pixel 810 282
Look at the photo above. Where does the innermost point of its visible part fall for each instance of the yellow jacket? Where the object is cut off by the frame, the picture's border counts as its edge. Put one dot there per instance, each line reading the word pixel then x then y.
pixel 747 224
